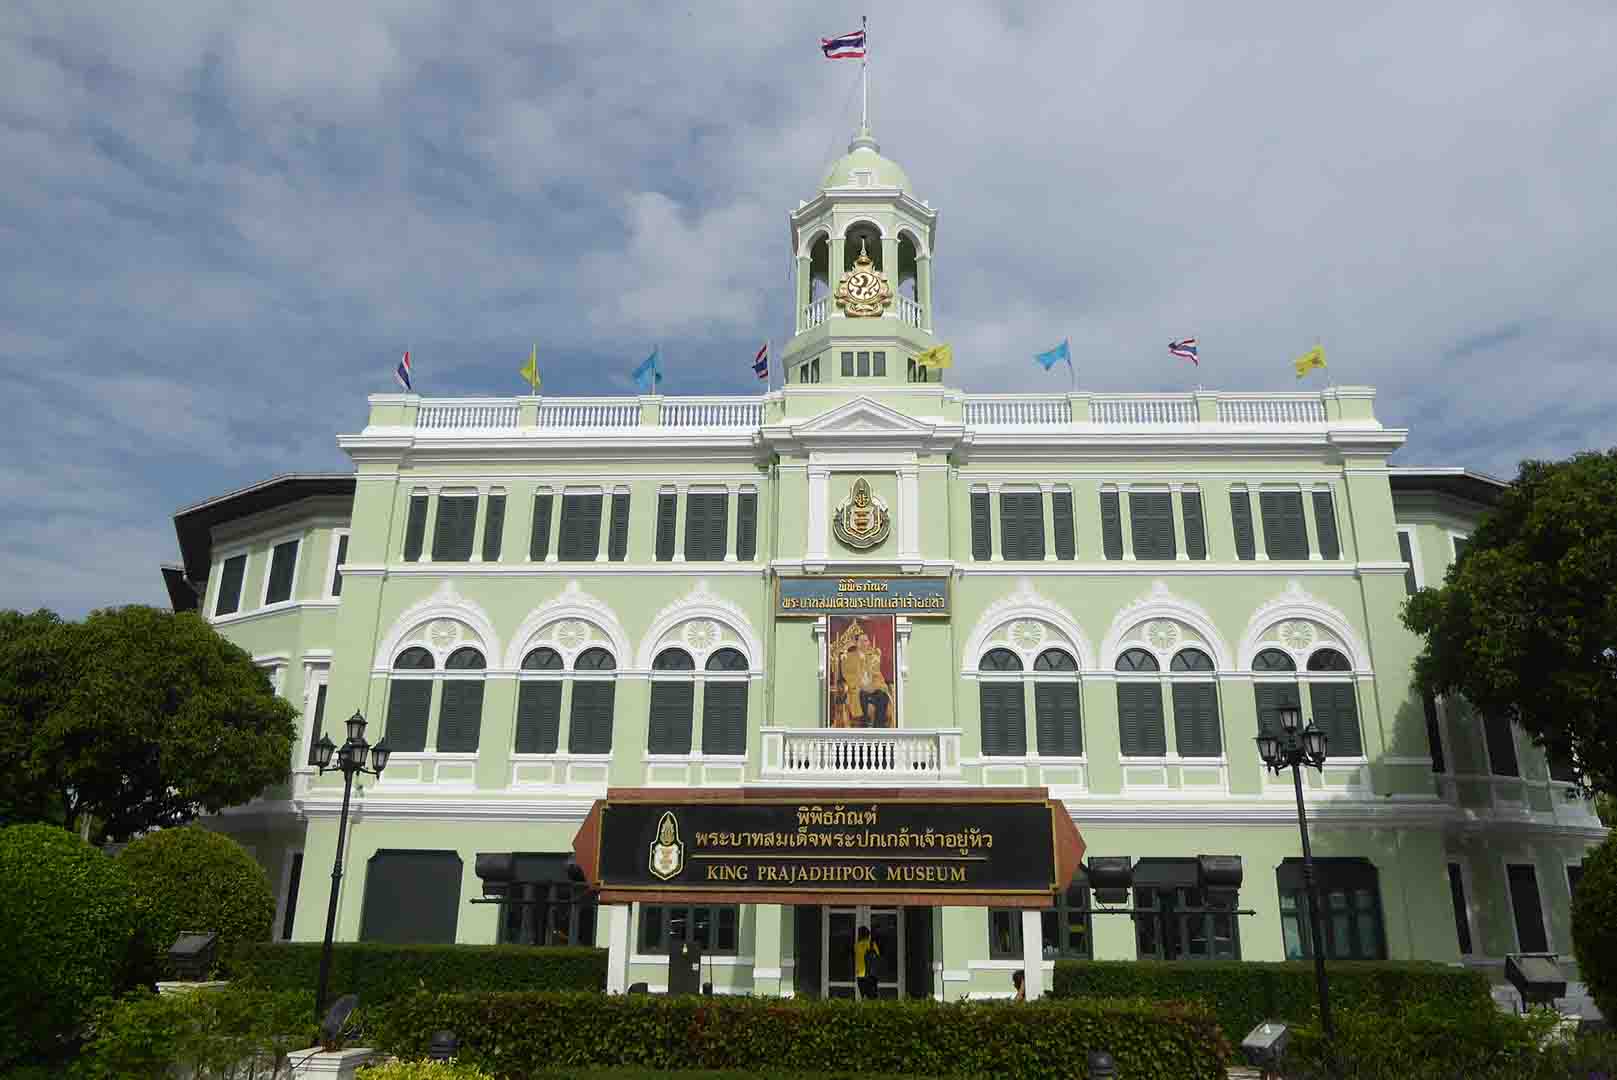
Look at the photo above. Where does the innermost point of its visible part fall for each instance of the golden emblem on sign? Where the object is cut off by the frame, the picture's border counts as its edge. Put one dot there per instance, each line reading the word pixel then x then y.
pixel 667 853
pixel 860 521
pixel 863 291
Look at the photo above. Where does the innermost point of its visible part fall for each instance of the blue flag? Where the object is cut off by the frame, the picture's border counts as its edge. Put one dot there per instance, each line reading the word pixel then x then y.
pixel 1055 355
pixel 650 372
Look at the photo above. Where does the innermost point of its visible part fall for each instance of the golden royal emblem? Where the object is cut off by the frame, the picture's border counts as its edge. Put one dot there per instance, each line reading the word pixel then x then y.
pixel 667 853
pixel 861 522
pixel 863 291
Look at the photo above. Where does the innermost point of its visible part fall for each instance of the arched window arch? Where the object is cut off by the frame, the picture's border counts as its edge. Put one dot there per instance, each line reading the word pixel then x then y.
pixel 1137 660
pixel 673 702
pixel 724 704
pixel 1141 728
pixel 1273 660
pixel 411 689
pixel 908 281
pixel 865 235
pixel 1197 728
pixel 1332 696
pixel 1000 703
pixel 1058 731
pixel 460 705
pixel 820 268
pixel 539 690
pixel 594 688
pixel 1328 660
pixel 1001 660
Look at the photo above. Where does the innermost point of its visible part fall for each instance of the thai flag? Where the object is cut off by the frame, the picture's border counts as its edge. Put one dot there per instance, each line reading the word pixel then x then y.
pixel 402 373
pixel 1185 349
pixel 760 363
pixel 847 46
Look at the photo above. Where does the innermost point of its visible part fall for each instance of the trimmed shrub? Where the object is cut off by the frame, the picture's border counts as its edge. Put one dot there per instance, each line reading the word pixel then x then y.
pixel 1594 926
pixel 192 879
pixel 379 972
pixel 231 1032
pixel 424 1070
pixel 519 1035
pixel 67 925
pixel 1244 993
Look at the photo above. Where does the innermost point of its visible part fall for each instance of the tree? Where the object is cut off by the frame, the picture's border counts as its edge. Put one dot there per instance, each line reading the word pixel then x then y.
pixel 133 719
pixel 193 879
pixel 1525 624
pixel 1594 925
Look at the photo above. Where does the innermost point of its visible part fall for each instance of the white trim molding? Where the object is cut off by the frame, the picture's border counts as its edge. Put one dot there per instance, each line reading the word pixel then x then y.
pixel 1046 624
pixel 415 626
pixel 682 624
pixel 1294 606
pixel 571 605
pixel 1132 627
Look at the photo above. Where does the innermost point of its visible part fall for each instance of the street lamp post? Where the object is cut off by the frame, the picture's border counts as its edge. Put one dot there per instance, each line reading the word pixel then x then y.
pixel 350 758
pixel 1295 749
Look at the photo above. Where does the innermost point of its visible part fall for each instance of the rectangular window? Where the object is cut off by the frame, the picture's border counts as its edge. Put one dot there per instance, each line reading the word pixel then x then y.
pixel 1151 523
pixel 1460 544
pixel 1021 523
pixel 1562 770
pixel 864 364
pixel 982 533
pixel 747 526
pixel 706 526
pixel 542 911
pixel 1350 896
pixel 317 723
pixel 1195 526
pixel 1139 719
pixel 411 897
pixel 1064 929
pixel 283 565
pixel 409 702
pixel 1501 742
pixel 664 927
pixel 1061 520
pixel 415 529
pixel 1271 698
pixel 1574 874
pixel 847 365
pixel 1195 720
pixel 228 601
pixel 293 878
pixel 1055 719
pixel 1527 908
pixel 539 539
pixel 460 716
pixel 1462 916
pixel 342 557
pixel 1407 554
pixel 538 717
pixel 669 725
pixel 1111 525
pixel 1241 517
pixel 1434 733
pixel 878 364
pixel 667 522
pixel 580 528
pixel 456 525
pixel 1188 924
pixel 589 728
pixel 1330 544
pixel 617 544
pixel 493 528
pixel 1336 712
pixel 724 718
pixel 1004 719
pixel 1284 534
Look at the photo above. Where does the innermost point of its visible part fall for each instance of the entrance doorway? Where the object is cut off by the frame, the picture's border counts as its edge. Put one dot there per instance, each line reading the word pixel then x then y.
pixel 841 930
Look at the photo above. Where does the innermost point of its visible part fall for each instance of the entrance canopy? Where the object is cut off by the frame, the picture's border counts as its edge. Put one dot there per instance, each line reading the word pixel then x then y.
pixel 1003 847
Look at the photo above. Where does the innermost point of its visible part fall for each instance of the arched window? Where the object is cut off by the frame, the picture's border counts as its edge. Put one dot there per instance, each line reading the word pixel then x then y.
pixel 460 701
pixel 724 704
pixel 1003 716
pixel 1334 700
pixel 1328 660
pixel 1273 660
pixel 1140 727
pixel 539 702
pixel 1055 705
pixel 1197 731
pixel 673 703
pixel 460 705
pixel 589 723
pixel 409 701
pixel 819 269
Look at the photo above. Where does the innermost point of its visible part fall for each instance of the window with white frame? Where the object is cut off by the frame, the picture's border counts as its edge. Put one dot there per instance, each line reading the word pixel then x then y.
pixel 1332 696
pixel 1406 552
pixel 412 686
pixel 1197 729
pixel 589 723
pixel 1527 908
pixel 232 571
pixel 1001 710
pixel 673 703
pixel 315 689
pixel 339 556
pixel 1458 892
pixel 1140 725
pixel 283 571
pixel 724 704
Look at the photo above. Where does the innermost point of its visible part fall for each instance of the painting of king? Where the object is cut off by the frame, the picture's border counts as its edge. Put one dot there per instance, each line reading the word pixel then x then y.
pixel 860 672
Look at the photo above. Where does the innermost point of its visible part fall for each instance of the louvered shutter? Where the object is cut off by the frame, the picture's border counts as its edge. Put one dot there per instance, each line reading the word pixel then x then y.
pixel 672 706
pixel 1408 556
pixel 538 717
pixel 1336 713
pixel 342 558
pixel 1195 719
pixel 408 703
pixel 1055 718
pixel 1284 534
pixel 667 522
pixel 539 541
pixel 1241 517
pixel 695 527
pixel 415 530
pixel 230 577
pixel 1033 525
pixel 1013 713
pixel 460 716
pixel 617 548
pixel 1010 527
pixel 724 718
pixel 1271 698
pixel 1129 734
pixel 1061 524
pixel 1195 527
pixel 1501 746
pixel 457 523
pixel 1002 719
pixel 1151 523
pixel 590 726
pixel 1139 708
pixel 283 561
pixel 718 526
pixel 1434 736
pixel 1330 544
pixel 982 533
pixel 493 528
pixel 580 528
pixel 1111 525
pixel 747 526
pixel 317 723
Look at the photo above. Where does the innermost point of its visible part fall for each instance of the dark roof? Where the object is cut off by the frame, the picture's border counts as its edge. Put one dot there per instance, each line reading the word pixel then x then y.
pixel 1460 483
pixel 194 525
pixel 182 596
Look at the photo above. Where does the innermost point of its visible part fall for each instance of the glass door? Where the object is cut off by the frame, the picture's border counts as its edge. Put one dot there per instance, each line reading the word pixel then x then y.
pixel 841 931
pixel 841 926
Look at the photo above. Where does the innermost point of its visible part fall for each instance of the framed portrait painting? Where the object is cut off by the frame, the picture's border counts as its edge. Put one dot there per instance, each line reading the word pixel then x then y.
pixel 861 671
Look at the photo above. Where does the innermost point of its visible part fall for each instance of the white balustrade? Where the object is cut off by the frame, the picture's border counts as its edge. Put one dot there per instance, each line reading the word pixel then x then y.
pixel 468 414
pixel 1009 409
pixel 861 755
pixel 712 412
pixel 589 413
pixel 1271 409
pixel 908 311
pixel 1142 409
pixel 814 313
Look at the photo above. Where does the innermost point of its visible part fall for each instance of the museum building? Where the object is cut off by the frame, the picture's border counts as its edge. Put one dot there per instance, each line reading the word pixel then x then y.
pixel 870 590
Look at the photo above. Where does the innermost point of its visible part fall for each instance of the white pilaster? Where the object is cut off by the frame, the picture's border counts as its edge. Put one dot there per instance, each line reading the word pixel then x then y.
pixel 732 515
pixel 1032 954
pixel 909 513
pixel 617 956
pixel 681 506
pixel 819 523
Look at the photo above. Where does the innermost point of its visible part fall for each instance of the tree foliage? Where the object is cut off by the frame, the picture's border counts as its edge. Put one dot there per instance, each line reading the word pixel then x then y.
pixel 134 718
pixel 1525 624
pixel 1594 925
pixel 193 879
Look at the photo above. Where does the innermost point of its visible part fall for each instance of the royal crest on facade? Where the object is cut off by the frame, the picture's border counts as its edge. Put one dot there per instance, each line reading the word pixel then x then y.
pixel 667 853
pixel 863 291
pixel 860 521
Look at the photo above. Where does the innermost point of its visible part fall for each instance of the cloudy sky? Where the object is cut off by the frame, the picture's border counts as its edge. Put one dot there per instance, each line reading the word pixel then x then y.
pixel 222 222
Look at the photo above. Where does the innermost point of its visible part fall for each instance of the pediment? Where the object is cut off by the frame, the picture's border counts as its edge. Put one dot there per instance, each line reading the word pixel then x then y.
pixel 863 416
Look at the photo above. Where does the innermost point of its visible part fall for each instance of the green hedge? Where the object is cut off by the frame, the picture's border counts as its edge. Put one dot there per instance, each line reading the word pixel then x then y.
pixel 201 1032
pixel 1243 994
pixel 519 1035
pixel 378 972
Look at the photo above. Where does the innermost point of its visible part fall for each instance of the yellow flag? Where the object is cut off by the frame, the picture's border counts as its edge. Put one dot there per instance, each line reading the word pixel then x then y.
pixel 531 370
pixel 1308 361
pixel 938 356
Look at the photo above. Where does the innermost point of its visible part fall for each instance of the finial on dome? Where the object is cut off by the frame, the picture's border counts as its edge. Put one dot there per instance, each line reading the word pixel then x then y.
pixel 864 140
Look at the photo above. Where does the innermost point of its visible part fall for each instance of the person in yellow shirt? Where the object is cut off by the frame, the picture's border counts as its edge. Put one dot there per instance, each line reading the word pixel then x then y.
pixel 864 947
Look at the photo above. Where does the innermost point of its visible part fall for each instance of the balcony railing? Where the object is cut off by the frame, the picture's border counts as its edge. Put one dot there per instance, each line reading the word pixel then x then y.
pixel 447 415
pixel 814 313
pixel 1142 409
pixel 1010 409
pixel 589 413
pixel 909 311
pixel 858 756
pixel 712 412
pixel 1271 409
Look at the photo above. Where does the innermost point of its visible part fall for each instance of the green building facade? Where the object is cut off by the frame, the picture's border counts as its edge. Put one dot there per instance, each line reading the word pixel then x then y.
pixel 535 598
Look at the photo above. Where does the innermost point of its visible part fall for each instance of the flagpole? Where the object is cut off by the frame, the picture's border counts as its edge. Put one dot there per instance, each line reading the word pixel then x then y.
pixel 864 78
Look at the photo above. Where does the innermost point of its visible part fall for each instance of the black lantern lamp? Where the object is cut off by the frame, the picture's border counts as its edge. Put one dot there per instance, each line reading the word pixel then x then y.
pixel 350 758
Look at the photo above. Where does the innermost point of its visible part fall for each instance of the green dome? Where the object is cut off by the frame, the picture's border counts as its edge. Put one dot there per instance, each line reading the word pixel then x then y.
pixel 864 155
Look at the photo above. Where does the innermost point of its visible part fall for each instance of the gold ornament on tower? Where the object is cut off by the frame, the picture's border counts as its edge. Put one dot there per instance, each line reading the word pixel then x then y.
pixel 860 521
pixel 863 292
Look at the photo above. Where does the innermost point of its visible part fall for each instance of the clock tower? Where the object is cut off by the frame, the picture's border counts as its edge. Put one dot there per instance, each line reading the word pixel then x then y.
pixel 863 249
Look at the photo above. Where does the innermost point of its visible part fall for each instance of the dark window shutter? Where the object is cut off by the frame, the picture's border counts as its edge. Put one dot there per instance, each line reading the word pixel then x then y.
pixel 1527 907
pixel 747 526
pixel 411 897
pixel 342 557
pixel 1151 523
pixel 617 546
pixel 415 530
pixel 667 521
pixel 1330 544
pixel 283 561
pixel 724 718
pixel 230 576
pixel 1061 513
pixel 1336 711
pixel 1195 720
pixel 538 717
pixel 1462 918
pixel 1014 714
pixel 1010 528
pixel 1033 525
pixel 1501 746
pixel 1111 525
pixel 1129 737
pixel 1195 526
pixel 1271 698
pixel 1408 556
pixel 1139 717
pixel 672 706
pixel 539 541
pixel 982 533
pixel 493 528
pixel 718 526
pixel 408 703
pixel 1241 515
pixel 317 723
pixel 1055 718
pixel 1004 722
pixel 589 729
pixel 1434 734
pixel 580 528
pixel 1284 534
pixel 460 716
pixel 695 525
pixel 457 523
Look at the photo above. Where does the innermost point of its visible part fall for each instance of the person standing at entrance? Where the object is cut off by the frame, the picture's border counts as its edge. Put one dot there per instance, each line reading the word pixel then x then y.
pixel 865 955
